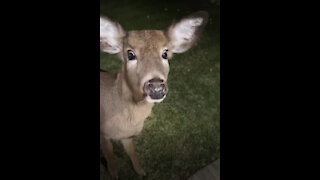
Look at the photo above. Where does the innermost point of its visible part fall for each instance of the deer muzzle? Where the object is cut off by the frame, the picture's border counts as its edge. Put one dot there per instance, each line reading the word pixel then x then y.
pixel 155 89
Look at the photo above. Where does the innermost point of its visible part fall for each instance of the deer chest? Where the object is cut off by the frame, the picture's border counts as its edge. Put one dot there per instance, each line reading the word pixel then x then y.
pixel 128 122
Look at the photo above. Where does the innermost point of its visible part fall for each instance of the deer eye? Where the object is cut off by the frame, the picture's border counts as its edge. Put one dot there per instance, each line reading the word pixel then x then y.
pixel 131 55
pixel 164 54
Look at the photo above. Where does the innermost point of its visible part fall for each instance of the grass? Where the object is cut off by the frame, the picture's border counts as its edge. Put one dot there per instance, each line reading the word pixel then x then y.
pixel 182 134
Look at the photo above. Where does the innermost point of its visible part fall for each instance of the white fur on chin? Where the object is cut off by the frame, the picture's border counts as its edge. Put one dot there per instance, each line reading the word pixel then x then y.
pixel 150 100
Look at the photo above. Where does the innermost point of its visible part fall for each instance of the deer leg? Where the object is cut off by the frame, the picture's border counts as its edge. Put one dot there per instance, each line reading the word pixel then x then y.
pixel 107 150
pixel 129 147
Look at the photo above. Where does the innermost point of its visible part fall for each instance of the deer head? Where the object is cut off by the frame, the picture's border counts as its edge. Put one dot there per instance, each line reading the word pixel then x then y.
pixel 145 53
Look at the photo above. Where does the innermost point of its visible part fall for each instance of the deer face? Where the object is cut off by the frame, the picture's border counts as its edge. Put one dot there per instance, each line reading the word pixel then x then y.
pixel 146 63
pixel 145 53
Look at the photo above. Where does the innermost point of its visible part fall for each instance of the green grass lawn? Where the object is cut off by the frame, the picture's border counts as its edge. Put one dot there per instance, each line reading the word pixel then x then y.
pixel 182 134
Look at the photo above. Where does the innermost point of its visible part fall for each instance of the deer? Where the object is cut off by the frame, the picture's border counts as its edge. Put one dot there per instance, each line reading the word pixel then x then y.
pixel 127 98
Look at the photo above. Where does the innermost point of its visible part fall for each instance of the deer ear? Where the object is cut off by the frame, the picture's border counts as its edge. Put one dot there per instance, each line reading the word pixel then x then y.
pixel 111 34
pixel 183 34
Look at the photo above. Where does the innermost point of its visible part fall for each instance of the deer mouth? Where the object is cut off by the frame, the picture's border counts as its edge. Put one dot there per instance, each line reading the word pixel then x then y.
pixel 151 100
pixel 155 90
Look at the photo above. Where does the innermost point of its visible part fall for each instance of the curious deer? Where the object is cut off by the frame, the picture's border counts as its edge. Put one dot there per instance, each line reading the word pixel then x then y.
pixel 127 99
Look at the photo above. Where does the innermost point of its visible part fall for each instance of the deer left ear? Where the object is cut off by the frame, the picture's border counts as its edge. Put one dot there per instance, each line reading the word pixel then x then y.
pixel 183 34
pixel 111 34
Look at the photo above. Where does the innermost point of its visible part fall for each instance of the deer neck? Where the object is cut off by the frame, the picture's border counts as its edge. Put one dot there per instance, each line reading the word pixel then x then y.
pixel 126 92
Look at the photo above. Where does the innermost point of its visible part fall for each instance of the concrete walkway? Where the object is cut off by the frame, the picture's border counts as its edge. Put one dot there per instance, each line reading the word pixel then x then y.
pixel 210 172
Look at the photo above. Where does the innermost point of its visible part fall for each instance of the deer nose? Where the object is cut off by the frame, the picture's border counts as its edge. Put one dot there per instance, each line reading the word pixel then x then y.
pixel 156 88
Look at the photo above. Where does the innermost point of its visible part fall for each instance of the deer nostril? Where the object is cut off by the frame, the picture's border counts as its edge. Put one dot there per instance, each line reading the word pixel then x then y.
pixel 155 86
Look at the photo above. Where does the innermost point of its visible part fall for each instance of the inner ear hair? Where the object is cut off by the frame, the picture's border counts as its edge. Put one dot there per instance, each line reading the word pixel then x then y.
pixel 184 33
pixel 111 35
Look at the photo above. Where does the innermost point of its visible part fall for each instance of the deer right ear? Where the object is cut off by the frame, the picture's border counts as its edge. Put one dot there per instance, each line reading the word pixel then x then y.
pixel 183 34
pixel 111 34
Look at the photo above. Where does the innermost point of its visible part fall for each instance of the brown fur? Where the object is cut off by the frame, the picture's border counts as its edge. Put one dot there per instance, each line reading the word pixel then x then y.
pixel 123 105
